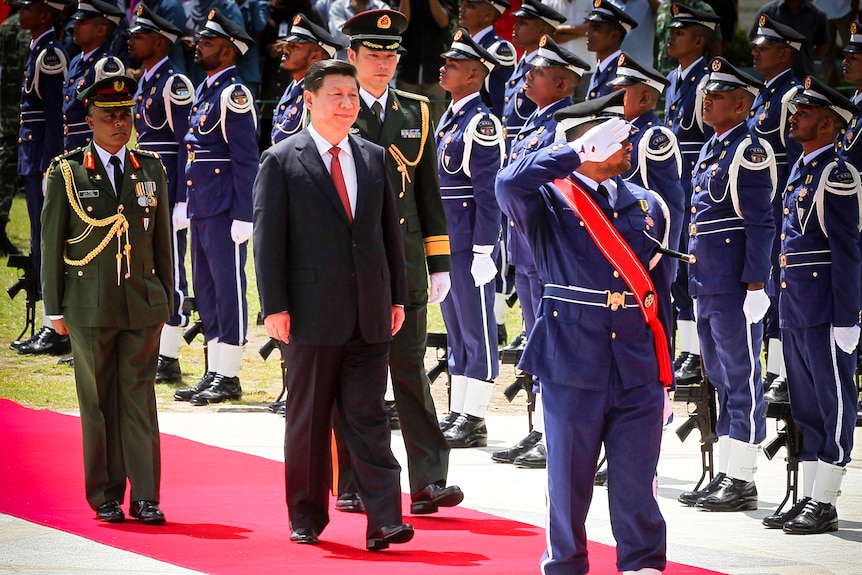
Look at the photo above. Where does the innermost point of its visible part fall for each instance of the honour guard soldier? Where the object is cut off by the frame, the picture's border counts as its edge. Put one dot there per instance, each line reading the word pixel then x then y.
pixel 306 44
pixel 112 301
pixel 162 105
pixel 552 79
pixel 40 138
pixel 774 49
pixel 221 144
pixel 607 384
pixel 95 22
pixel 478 18
pixel 656 160
pixel 532 21
pixel 608 26
pixel 690 35
pixel 850 144
pixel 819 303
pixel 470 147
pixel 731 233
pixel 400 122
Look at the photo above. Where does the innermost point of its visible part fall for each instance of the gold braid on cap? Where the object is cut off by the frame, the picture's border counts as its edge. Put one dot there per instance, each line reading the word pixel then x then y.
pixel 401 159
pixel 119 225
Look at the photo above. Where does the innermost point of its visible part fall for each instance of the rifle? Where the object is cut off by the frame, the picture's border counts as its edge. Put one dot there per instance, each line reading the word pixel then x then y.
pixel 788 436
pixel 702 397
pixel 265 351
pixel 439 342
pixel 195 329
pixel 26 282
pixel 523 381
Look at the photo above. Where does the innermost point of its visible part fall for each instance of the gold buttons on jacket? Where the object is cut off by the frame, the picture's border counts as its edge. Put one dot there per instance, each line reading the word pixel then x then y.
pixel 556 313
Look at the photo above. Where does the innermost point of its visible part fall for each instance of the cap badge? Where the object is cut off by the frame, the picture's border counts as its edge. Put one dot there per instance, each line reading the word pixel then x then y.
pixel 119 85
pixel 297 19
pixel 140 10
pixel 621 60
pixel 808 82
pixel 853 28
pixel 716 65
pixel 543 41
pixel 597 4
pixel 384 22
pixel 762 21
pixel 458 35
pixel 211 15
pixel 675 9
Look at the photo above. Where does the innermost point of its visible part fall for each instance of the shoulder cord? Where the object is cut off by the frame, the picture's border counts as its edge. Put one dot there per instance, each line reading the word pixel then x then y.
pixel 401 159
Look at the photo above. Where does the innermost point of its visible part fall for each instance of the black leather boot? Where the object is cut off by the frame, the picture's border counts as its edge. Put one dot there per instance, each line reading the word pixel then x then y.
pixel 731 495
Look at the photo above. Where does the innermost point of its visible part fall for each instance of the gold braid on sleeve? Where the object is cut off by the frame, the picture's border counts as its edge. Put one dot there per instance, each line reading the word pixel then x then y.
pixel 119 227
pixel 401 160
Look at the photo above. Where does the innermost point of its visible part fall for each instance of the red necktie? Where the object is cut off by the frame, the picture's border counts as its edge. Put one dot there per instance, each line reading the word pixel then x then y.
pixel 338 180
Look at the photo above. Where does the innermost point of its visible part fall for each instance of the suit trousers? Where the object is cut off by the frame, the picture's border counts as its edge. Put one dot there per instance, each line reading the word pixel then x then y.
pixel 352 379
pixel 114 373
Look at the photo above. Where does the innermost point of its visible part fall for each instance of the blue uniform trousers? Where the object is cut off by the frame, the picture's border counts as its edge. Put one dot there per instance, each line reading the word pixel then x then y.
pixel 35 201
pixel 218 273
pixel 529 293
pixel 629 422
pixel 822 393
pixel 471 329
pixel 730 351
pixel 179 245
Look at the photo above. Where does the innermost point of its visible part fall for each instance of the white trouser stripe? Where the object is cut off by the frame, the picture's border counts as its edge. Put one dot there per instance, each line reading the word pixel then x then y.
pixel 751 359
pixel 488 359
pixel 238 284
pixel 836 378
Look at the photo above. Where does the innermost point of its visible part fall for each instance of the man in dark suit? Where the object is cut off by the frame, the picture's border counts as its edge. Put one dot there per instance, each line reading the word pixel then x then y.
pixel 112 301
pixel 330 270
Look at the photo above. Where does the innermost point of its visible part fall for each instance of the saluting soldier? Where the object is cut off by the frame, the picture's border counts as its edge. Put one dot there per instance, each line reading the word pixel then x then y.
pixel 607 384
pixel 306 44
pixel 690 35
pixel 656 159
pixel 95 22
pixel 774 50
pixel 731 233
pixel 222 162
pixel 607 28
pixel 162 105
pixel 478 18
pixel 819 303
pixel 400 122
pixel 552 79
pixel 106 280
pixel 40 138
pixel 470 148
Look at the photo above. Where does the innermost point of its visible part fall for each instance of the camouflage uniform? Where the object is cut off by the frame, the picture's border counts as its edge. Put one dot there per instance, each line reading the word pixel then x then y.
pixel 663 16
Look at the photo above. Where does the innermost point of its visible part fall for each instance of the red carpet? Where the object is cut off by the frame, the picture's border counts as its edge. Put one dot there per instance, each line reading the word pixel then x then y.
pixel 226 514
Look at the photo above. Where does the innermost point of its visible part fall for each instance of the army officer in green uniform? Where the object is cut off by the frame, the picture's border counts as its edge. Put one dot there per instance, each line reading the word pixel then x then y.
pixel 106 281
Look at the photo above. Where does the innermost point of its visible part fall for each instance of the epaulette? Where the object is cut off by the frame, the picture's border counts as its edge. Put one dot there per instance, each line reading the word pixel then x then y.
pixel 659 144
pixel 51 61
pixel 237 98
pixel 108 66
pixel 505 53
pixel 841 179
pixel 483 129
pixel 178 91
pixel 412 96
pixel 147 153
pixel 755 156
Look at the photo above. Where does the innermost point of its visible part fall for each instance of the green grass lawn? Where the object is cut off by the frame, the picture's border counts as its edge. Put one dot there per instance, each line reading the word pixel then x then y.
pixel 39 382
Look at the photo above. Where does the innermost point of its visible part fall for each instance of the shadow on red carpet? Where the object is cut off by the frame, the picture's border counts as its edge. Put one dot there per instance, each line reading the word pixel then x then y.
pixel 226 514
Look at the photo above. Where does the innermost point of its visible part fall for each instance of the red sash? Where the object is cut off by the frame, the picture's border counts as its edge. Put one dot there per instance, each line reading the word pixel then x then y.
pixel 623 259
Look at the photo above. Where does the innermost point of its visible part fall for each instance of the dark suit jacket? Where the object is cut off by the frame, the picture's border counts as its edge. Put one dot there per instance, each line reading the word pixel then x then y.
pixel 310 261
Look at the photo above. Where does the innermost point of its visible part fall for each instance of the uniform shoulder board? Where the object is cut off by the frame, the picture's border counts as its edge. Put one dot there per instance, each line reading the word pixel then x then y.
pixel 755 156
pixel 842 179
pixel 412 96
pixel 179 90
pixel 660 141
pixel 484 130
pixel 147 153
pixel 237 98
pixel 51 61
pixel 505 53
pixel 487 130
pixel 108 66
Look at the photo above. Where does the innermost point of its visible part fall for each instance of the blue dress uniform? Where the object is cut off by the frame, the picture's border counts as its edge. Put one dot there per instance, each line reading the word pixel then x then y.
pixel 598 367
pixel 494 90
pixel 162 104
pixel 820 295
pixel 599 81
pixel 731 236
pixel 222 163
pixel 40 137
pixel 605 11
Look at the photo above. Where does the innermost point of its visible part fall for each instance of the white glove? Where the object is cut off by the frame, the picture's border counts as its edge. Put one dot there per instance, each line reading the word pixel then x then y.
pixel 180 216
pixel 440 284
pixel 240 231
pixel 846 337
pixel 483 269
pixel 601 142
pixel 755 305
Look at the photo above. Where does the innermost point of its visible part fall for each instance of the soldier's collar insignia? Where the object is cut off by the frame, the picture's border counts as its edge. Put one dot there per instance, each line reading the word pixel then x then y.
pixel 134 160
pixel 89 161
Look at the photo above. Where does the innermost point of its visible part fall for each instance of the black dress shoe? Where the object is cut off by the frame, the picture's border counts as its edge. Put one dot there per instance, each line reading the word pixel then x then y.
pixel 518 342
pixel 777 520
pixel 304 536
pixel 168 370
pixel 690 497
pixel 383 537
pixel 689 372
pixel 67 361
pixel 349 503
pixel 731 495
pixel 278 407
pixel 19 342
pixel 110 512
pixel 223 388
pixel 449 420
pixel 468 431
pixel 434 496
pixel 679 360
pixel 601 477
pixel 816 517
pixel 186 393
pixel 536 458
pixel 392 414
pixel 777 392
pixel 49 342
pixel 526 444
pixel 148 512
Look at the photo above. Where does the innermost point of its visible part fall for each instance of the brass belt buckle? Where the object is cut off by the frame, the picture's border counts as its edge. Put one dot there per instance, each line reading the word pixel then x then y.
pixel 692 230
pixel 615 300
pixel 782 260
